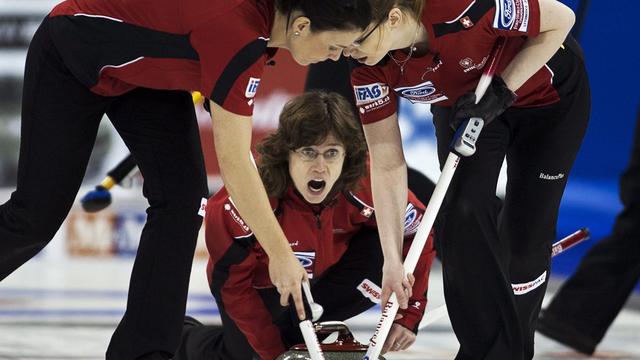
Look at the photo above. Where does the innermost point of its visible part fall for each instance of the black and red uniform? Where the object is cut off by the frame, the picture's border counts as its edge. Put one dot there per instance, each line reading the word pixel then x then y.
pixel 539 135
pixel 135 62
pixel 338 245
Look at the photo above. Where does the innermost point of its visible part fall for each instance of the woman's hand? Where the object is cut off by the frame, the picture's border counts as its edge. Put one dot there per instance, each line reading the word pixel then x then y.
pixel 399 338
pixel 395 281
pixel 287 274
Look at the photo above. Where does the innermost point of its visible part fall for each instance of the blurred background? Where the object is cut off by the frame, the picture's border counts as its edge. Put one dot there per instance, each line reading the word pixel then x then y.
pixel 87 242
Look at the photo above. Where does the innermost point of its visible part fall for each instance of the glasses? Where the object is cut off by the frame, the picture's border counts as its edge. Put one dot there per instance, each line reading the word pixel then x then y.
pixel 364 37
pixel 310 154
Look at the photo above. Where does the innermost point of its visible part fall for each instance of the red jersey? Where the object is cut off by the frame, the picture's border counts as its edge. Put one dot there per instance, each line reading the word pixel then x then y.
pixel 461 34
pixel 318 235
pixel 218 47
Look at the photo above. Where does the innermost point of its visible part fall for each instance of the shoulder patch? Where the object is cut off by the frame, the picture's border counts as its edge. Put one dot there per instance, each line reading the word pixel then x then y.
pixel 252 87
pixel 512 15
pixel 366 94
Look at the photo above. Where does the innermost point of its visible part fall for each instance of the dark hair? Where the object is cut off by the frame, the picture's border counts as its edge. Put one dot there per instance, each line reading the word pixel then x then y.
pixel 330 14
pixel 308 120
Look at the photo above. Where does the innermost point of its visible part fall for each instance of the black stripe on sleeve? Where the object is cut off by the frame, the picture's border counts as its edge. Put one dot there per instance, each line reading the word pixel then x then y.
pixel 351 198
pixel 475 13
pixel 243 59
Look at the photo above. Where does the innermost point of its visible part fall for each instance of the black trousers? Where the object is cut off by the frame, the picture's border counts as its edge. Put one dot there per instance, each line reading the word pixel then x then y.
pixel 589 301
pixel 336 290
pixel 482 260
pixel 60 119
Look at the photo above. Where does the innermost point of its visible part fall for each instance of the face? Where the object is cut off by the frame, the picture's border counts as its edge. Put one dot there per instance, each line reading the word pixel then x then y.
pixel 371 46
pixel 315 169
pixel 309 47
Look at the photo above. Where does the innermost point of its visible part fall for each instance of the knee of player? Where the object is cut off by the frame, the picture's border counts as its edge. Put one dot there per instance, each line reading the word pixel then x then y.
pixel 24 223
pixel 463 210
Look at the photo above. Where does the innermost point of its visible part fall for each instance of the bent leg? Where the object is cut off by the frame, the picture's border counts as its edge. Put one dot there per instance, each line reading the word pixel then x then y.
pixel 60 119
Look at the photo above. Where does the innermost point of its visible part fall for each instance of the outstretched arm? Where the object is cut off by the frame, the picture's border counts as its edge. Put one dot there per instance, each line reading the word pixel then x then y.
pixel 389 189
pixel 232 139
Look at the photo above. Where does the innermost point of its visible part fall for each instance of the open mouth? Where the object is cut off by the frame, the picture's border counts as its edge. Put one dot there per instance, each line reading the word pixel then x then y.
pixel 316 186
pixel 362 60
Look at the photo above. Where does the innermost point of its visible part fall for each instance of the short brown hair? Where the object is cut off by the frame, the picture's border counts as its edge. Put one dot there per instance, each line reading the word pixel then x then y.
pixel 308 120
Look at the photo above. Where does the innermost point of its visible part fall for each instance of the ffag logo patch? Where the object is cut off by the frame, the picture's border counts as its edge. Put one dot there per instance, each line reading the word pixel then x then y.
pixel 252 87
pixel 512 15
pixel 424 93
pixel 369 93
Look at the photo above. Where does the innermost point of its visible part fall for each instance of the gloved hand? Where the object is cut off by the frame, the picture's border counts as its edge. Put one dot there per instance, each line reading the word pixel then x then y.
pixel 495 101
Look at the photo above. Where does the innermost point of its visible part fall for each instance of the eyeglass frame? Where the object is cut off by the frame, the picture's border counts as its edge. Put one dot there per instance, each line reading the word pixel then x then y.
pixel 305 158
pixel 359 41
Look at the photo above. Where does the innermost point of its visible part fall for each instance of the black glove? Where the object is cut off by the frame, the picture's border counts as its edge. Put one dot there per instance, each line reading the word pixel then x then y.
pixel 495 101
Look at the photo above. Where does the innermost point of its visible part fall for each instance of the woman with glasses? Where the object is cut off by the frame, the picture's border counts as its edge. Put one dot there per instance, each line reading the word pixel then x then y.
pixel 314 167
pixel 535 110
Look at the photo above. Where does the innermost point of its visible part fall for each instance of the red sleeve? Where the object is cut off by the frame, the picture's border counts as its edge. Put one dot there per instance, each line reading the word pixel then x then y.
pixel 232 266
pixel 418 301
pixel 231 64
pixel 515 18
pixel 375 100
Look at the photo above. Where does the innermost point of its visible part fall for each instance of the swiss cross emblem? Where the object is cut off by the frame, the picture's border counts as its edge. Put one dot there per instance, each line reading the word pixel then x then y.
pixel 367 212
pixel 466 22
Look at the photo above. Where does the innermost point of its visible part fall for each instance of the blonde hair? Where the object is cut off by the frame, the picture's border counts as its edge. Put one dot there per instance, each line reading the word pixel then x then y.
pixel 380 8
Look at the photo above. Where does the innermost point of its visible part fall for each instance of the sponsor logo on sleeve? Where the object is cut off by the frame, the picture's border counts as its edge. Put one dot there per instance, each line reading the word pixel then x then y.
pixel 371 97
pixel 370 290
pixel 411 220
pixel 512 15
pixel 234 215
pixel 424 93
pixel 369 93
pixel 252 88
pixel 307 260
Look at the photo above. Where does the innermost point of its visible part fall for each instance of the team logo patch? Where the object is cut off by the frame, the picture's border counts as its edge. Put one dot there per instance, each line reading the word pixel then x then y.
pixel 307 260
pixel 466 22
pixel 512 15
pixel 366 211
pixel 370 290
pixel 521 289
pixel 369 93
pixel 424 93
pixel 411 220
pixel 468 64
pixel 252 87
